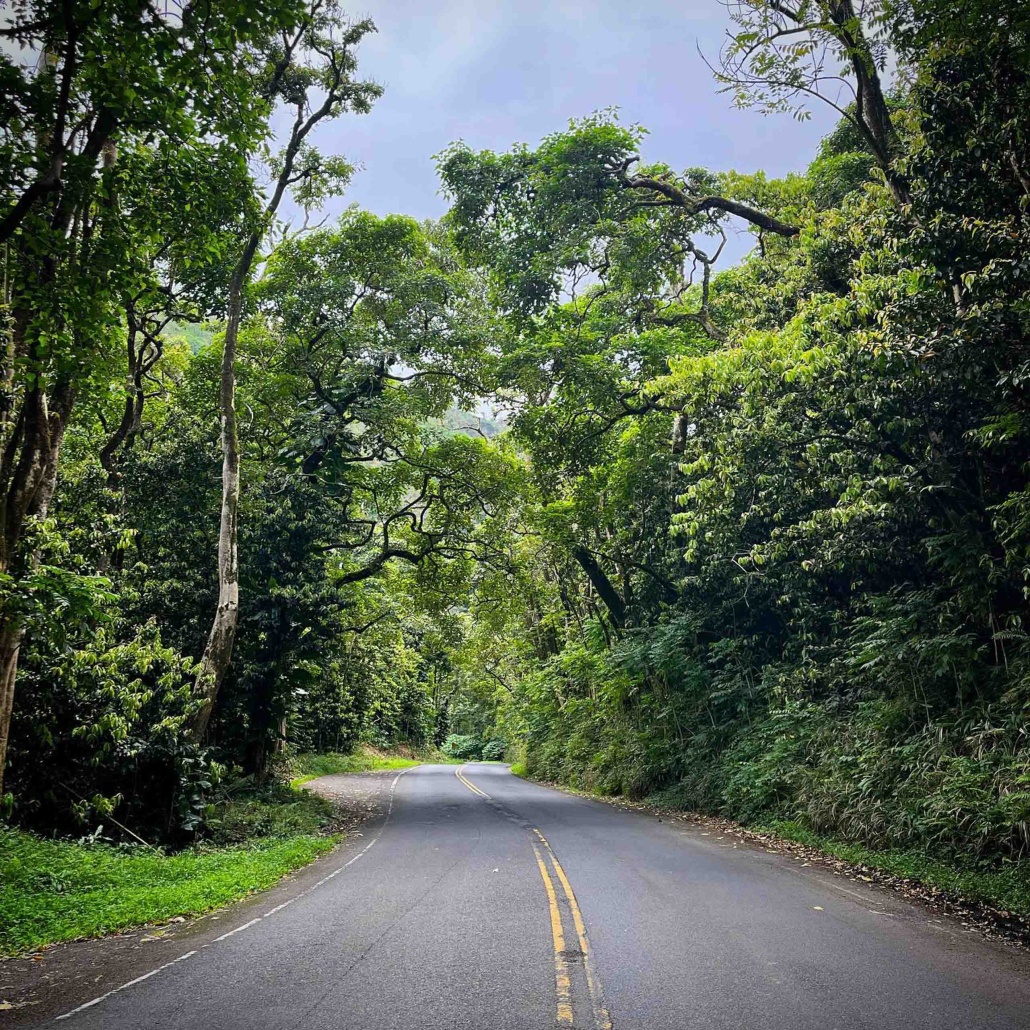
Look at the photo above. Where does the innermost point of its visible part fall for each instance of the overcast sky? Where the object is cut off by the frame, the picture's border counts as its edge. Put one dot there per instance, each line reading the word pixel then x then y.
pixel 496 72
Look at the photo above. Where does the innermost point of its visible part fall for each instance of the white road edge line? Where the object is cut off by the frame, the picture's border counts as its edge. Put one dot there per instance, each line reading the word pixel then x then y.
pixel 861 897
pixel 131 983
pixel 245 926
pixel 239 929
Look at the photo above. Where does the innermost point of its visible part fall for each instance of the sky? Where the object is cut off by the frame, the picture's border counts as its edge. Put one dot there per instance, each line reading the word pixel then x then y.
pixel 497 72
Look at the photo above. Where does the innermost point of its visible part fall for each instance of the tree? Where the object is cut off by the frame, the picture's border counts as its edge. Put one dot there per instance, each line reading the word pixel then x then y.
pixel 311 72
pixel 603 279
pixel 783 54
pixel 814 608
pixel 111 75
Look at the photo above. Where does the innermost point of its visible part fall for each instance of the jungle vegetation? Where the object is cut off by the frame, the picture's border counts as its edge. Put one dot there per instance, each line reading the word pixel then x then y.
pixel 752 537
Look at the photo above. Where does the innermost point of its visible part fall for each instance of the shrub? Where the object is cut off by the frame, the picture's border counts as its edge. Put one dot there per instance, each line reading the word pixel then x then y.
pixel 493 750
pixel 99 739
pixel 463 746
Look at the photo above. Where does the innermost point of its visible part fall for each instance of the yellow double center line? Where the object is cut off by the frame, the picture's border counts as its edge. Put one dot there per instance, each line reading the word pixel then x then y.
pixel 562 980
pixel 545 857
pixel 471 786
pixel 602 1018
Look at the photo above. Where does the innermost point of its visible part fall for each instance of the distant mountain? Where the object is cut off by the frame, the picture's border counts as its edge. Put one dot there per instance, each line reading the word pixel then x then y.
pixel 470 423
pixel 197 336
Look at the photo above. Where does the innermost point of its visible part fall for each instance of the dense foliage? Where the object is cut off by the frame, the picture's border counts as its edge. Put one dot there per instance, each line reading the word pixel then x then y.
pixel 781 538
pixel 756 538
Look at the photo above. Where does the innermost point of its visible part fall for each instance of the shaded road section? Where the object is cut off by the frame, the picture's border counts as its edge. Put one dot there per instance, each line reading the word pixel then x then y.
pixel 489 903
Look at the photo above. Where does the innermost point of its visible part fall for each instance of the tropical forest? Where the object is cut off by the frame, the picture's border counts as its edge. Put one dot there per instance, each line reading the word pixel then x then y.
pixel 571 478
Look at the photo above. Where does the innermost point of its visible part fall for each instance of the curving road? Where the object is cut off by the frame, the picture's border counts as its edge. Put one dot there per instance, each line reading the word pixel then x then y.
pixel 488 903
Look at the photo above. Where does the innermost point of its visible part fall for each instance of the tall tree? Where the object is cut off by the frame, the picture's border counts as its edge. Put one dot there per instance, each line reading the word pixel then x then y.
pixel 312 75
pixel 783 55
pixel 600 267
pixel 105 75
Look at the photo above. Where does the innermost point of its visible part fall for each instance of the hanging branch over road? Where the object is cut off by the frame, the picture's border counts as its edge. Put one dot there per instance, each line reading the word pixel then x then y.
pixel 673 196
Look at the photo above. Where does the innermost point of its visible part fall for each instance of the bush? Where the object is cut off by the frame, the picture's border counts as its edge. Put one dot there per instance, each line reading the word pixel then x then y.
pixel 463 746
pixel 493 750
pixel 98 738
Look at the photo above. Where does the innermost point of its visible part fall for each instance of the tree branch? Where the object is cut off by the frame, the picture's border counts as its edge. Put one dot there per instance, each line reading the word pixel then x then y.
pixel 696 205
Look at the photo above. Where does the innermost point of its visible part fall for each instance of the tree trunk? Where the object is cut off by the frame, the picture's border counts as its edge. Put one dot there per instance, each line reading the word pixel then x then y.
pixel 871 110
pixel 132 413
pixel 603 585
pixel 10 644
pixel 32 481
pixel 218 652
pixel 265 728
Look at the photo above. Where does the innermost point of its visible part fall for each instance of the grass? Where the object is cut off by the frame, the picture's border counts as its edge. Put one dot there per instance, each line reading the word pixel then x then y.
pixel 519 769
pixel 53 891
pixel 60 890
pixel 363 759
pixel 1007 888
pixel 311 766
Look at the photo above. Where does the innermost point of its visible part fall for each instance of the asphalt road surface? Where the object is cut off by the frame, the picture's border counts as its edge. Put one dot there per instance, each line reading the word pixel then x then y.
pixel 488 903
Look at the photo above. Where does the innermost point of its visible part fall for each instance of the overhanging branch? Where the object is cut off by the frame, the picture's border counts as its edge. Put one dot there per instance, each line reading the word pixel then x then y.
pixel 676 197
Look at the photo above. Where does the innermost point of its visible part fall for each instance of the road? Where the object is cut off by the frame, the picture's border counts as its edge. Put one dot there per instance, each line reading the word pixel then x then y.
pixel 484 902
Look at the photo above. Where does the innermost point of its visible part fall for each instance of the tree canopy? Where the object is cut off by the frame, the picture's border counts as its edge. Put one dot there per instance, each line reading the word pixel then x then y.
pixel 755 536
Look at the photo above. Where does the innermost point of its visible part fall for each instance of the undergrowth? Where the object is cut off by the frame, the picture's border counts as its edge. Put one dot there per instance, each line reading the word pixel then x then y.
pixel 52 891
pixel 61 890
pixel 1006 888
pixel 274 810
pixel 311 766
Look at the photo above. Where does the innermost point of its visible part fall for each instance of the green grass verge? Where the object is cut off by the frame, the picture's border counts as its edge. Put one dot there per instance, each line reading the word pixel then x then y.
pixel 53 891
pixel 311 766
pixel 1007 888
pixel 519 769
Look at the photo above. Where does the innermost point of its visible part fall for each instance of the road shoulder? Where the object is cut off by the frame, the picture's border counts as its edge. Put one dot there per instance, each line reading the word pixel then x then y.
pixel 56 979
